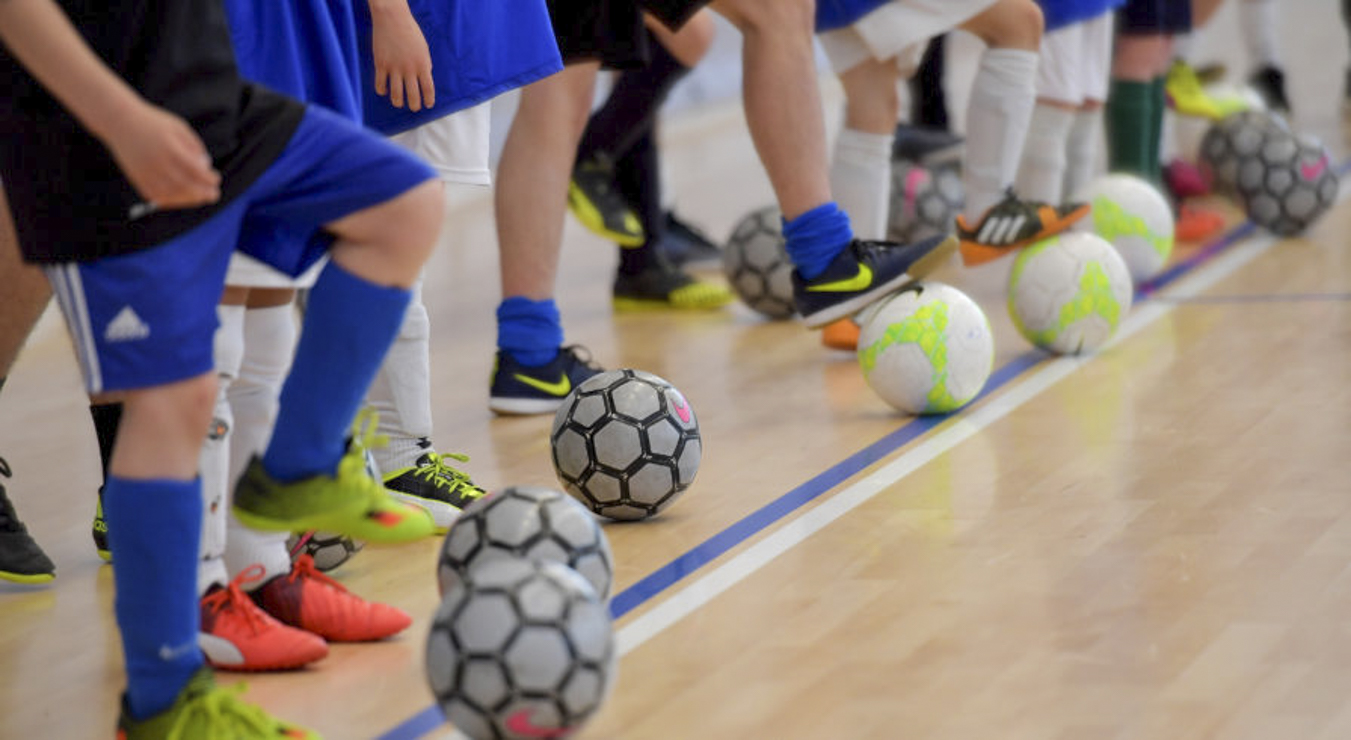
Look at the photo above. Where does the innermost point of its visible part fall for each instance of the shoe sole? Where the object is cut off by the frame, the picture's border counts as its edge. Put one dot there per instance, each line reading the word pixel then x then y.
pixel 659 304
pixel 443 514
pixel 523 406
pixel 975 253
pixel 355 525
pixel 217 649
pixel 843 338
pixel 921 267
pixel 27 579
pixel 590 217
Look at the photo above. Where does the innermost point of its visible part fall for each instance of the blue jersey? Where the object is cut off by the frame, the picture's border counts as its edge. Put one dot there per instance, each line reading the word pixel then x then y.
pixel 304 48
pixel 833 14
pixel 1060 13
pixel 479 48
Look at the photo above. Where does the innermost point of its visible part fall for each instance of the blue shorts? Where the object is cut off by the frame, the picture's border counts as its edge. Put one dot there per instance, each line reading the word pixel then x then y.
pixel 148 318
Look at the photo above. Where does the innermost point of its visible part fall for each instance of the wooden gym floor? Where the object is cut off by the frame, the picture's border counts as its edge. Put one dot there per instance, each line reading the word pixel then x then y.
pixel 1151 542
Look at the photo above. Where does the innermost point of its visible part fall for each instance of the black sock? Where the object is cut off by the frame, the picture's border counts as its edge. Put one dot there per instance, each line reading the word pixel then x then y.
pixel 107 417
pixel 631 109
pixel 928 102
pixel 638 178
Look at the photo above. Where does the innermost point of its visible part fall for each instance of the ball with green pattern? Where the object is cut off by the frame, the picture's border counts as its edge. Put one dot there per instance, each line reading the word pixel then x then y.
pixel 927 349
pixel 1068 293
pixel 1134 217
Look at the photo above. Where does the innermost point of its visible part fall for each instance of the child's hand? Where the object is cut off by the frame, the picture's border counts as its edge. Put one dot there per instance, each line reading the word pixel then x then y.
pixel 164 159
pixel 403 66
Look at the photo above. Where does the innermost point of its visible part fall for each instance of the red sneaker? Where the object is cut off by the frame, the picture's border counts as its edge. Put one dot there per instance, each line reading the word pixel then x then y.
pixel 312 601
pixel 238 636
pixel 1197 224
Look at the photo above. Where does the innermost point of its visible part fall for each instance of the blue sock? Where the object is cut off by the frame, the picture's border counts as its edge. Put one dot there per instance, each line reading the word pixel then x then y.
pixel 158 525
pixel 815 238
pixel 349 325
pixel 530 331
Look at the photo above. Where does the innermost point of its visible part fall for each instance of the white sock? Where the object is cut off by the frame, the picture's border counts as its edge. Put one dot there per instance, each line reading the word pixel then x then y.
pixel 214 462
pixel 860 178
pixel 402 390
pixel 1041 175
pixel 1259 21
pixel 269 343
pixel 1002 97
pixel 1081 151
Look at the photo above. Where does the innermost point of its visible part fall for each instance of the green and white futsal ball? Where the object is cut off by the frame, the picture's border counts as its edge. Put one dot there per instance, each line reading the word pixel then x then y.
pixel 1134 217
pixel 1068 293
pixel 927 349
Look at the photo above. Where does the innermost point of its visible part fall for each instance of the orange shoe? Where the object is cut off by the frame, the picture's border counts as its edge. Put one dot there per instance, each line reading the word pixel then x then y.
pixel 312 601
pixel 1012 224
pixel 842 334
pixel 1197 224
pixel 239 636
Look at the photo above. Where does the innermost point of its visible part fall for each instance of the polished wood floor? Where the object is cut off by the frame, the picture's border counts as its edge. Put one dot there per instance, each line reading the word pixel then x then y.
pixel 1155 545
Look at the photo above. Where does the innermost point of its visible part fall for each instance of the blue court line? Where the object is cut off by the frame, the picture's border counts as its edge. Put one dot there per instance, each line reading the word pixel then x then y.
pixel 752 524
pixel 1262 298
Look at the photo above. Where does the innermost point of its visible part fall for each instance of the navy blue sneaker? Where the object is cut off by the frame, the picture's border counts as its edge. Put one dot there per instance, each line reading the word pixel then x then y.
pixel 864 272
pixel 517 389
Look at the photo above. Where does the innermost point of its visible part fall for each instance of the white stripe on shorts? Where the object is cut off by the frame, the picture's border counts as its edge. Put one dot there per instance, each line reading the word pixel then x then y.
pixel 69 290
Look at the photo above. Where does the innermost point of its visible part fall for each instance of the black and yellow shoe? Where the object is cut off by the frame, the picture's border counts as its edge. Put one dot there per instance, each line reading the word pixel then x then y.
pixel 683 244
pixel 594 200
pixel 517 389
pixel 205 710
pixel 1011 224
pixel 864 272
pixel 665 287
pixel 99 531
pixel 432 483
pixel 21 559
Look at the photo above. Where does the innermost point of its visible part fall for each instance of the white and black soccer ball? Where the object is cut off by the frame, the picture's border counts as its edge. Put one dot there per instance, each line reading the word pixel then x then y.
pixel 756 264
pixel 924 202
pixel 532 522
pixel 1230 140
pixel 522 648
pixel 626 443
pixel 328 550
pixel 1287 184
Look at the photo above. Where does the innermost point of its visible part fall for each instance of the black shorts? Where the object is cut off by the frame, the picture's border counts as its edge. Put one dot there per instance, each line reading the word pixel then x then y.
pixel 1152 17
pixel 611 31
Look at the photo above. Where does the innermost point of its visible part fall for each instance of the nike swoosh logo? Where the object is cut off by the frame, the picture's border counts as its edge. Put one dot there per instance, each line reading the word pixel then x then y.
pixel 682 407
pixel 1313 171
pixel 862 279
pixel 520 724
pixel 560 388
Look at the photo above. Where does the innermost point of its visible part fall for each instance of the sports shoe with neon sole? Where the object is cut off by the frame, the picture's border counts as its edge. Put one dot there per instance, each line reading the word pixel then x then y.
pixel 436 486
pixel 21 558
pixel 664 287
pixel 311 601
pixel 842 334
pixel 1011 224
pixel 1195 224
pixel 237 635
pixel 207 711
pixel 864 272
pixel 99 531
pixel 594 200
pixel 348 502
pixel 1186 95
pixel 517 389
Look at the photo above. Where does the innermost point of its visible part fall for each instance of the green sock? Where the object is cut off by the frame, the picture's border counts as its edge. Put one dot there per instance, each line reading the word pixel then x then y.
pixel 1130 116
pixel 1159 100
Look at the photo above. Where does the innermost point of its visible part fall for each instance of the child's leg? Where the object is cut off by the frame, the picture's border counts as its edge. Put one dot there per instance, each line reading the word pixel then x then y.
pixel 1135 104
pixel 860 173
pixel 215 453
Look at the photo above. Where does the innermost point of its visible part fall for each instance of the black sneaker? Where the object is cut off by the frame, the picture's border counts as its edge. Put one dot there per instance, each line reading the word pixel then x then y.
pixel 663 286
pixel 928 147
pixel 1011 224
pixel 594 200
pixel 517 389
pixel 864 272
pixel 1269 82
pixel 685 245
pixel 432 483
pixel 21 559
pixel 99 531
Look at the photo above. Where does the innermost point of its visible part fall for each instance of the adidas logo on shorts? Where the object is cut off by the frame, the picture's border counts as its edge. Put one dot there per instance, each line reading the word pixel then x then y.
pixel 126 326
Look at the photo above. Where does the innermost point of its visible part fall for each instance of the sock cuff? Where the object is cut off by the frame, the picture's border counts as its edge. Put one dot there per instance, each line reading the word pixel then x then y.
pixel 1051 121
pixel 863 147
pixel 1010 67
pixel 519 307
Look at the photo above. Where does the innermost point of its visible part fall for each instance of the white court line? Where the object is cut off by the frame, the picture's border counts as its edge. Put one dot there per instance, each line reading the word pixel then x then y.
pixel 704 588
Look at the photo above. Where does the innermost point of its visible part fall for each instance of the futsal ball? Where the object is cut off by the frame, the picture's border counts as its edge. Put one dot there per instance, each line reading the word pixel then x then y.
pixel 924 202
pixel 328 550
pixel 1134 217
pixel 1287 184
pixel 530 522
pixel 626 444
pixel 757 266
pixel 1068 293
pixel 520 649
pixel 927 349
pixel 1230 140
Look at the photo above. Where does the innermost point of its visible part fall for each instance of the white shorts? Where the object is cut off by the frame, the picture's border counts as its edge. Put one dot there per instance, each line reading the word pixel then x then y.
pixel 456 146
pixel 898 29
pixel 1076 62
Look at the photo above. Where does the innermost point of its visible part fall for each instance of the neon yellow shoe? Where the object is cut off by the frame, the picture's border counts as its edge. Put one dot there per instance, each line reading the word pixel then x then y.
pixel 436 486
pixel 349 502
pixel 1187 96
pixel 592 198
pixel 664 287
pixel 205 711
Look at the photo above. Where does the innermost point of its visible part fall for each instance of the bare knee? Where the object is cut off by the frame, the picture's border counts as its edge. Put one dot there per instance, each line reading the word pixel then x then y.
pixel 1141 58
pixel 562 99
pixel 770 18
pixel 872 103
pixel 162 429
pixel 1009 24
pixel 387 244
